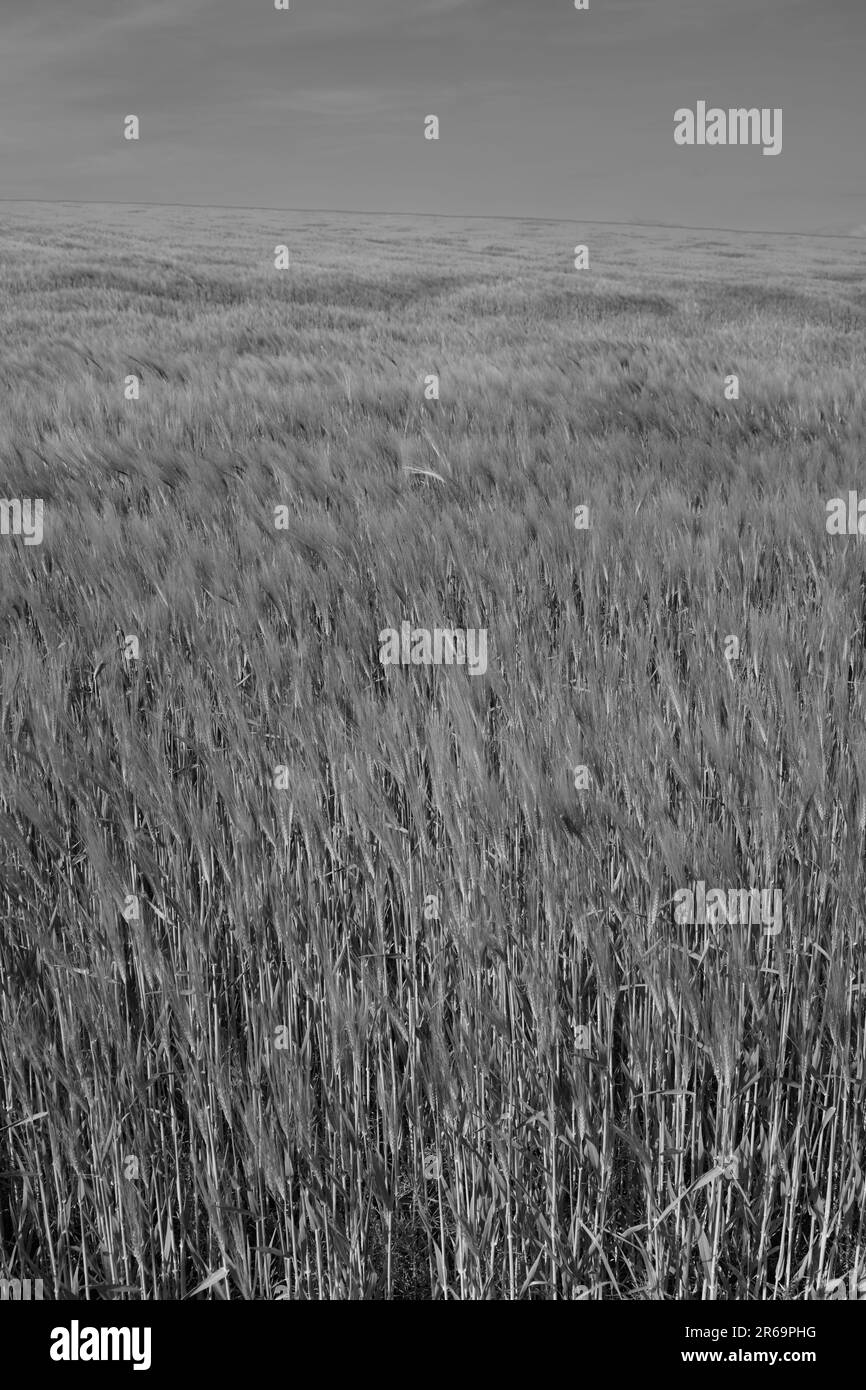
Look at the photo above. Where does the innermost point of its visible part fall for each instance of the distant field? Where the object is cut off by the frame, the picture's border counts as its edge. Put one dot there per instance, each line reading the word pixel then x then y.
pixel 341 1051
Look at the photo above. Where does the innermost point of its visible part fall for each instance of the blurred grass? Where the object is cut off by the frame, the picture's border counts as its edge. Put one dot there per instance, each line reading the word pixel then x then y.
pixel 284 1070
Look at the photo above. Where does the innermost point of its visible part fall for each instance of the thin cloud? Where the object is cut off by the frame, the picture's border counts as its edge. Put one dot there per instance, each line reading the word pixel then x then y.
pixel 543 109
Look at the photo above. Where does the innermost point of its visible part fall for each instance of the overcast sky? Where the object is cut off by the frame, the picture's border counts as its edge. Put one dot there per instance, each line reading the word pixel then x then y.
pixel 545 111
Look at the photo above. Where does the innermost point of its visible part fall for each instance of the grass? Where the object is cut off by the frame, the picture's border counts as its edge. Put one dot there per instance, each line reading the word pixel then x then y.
pixel 292 1076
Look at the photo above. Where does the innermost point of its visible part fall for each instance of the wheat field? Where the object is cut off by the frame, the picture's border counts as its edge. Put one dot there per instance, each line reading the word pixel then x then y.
pixel 321 979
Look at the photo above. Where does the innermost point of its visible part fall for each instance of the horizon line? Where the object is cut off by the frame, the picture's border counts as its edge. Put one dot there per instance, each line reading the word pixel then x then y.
pixel 476 216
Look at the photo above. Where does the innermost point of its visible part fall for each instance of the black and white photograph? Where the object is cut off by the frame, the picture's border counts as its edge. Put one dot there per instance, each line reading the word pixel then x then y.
pixel 432 669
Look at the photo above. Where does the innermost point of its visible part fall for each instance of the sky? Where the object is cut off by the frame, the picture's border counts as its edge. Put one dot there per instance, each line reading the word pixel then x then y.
pixel 544 111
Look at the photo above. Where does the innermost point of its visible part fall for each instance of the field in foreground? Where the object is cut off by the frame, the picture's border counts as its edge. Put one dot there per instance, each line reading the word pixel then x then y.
pixel 341 1051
